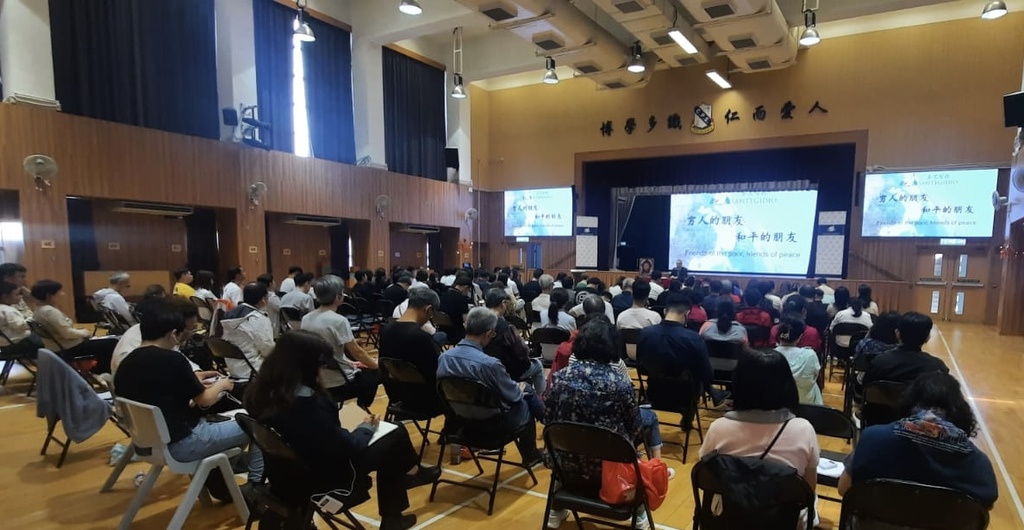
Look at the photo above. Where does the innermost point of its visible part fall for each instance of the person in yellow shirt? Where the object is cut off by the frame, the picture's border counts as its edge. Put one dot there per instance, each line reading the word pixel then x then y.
pixel 182 279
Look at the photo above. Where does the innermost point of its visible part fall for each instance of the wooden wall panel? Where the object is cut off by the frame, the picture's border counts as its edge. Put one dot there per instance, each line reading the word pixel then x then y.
pixel 304 244
pixel 144 241
pixel 1010 313
pixel 408 250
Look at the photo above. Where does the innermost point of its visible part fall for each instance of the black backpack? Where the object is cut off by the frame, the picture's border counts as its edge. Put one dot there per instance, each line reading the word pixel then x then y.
pixel 747 492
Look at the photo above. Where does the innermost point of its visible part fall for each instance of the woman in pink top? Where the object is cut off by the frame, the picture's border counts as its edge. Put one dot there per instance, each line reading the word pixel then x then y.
pixel 764 392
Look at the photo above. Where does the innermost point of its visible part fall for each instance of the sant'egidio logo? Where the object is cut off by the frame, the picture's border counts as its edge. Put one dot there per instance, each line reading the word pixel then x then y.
pixel 703 122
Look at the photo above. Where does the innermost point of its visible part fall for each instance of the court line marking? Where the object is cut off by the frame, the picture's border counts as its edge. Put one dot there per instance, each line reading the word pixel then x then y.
pixel 463 504
pixel 16 405
pixel 984 429
pixel 478 478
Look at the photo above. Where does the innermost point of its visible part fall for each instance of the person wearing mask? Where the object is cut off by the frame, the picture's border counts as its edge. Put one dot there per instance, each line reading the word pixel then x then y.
pixel 724 327
pixel 931 444
pixel 183 284
pixel 288 283
pixel 852 314
pixel 623 300
pixel 14 273
pixel 557 316
pixel 68 341
pixel 156 374
pixel 455 304
pixel 592 391
pixel 132 338
pixel 398 291
pixel 233 289
pixel 299 297
pixel 508 346
pixel 864 295
pixel 803 362
pixel 764 396
pixel 638 316
pixel 407 338
pixel 14 325
pixel 112 299
pixel 356 375
pixel 468 360
pixel 248 327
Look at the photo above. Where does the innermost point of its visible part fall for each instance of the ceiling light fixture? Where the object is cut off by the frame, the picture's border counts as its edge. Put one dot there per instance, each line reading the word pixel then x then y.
pixel 459 92
pixel 636 60
pixel 718 79
pixel 810 36
pixel 459 88
pixel 300 28
pixel 550 76
pixel 677 35
pixel 410 7
pixel 994 10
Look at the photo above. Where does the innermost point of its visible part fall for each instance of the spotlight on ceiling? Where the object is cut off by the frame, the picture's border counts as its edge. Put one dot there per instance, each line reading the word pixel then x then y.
pixel 994 10
pixel 550 76
pixel 636 60
pixel 410 7
pixel 718 79
pixel 810 36
pixel 677 35
pixel 459 92
pixel 300 28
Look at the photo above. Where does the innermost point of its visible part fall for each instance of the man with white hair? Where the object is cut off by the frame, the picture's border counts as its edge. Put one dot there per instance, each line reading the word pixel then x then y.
pixel 543 300
pixel 110 298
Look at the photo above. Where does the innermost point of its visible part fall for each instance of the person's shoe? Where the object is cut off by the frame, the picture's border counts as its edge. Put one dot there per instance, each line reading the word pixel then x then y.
pixel 534 460
pixel 718 397
pixel 457 458
pixel 423 476
pixel 641 522
pixel 557 517
pixel 398 522
pixel 671 473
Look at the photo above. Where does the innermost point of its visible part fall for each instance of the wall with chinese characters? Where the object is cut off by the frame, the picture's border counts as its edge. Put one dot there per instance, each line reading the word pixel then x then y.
pixel 925 99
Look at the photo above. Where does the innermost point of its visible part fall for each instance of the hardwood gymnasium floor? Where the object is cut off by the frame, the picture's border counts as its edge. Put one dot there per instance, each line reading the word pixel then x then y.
pixel 36 495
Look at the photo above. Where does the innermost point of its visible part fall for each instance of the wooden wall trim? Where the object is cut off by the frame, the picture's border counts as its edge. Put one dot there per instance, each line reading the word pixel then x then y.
pixel 322 17
pixel 413 55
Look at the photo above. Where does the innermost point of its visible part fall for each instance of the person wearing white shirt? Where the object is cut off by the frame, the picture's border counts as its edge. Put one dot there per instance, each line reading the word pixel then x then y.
pixel 249 328
pixel 300 297
pixel 864 293
pixel 578 311
pixel 14 273
pixel 803 362
pixel 288 283
pixel 851 315
pixel 449 278
pixel 556 316
pixel 420 279
pixel 638 316
pixel 110 298
pixel 828 293
pixel 233 289
pixel 656 288
pixel 14 324
pixel 543 300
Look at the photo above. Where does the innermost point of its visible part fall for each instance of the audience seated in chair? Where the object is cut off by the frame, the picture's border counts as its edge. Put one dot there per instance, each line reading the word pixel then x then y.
pixel 638 316
pixel 14 326
pixel 273 308
pixel 764 394
pixel 398 291
pixel 288 284
pixel 852 314
pixel 817 312
pixel 205 288
pixel 68 341
pixel 111 299
pixel 531 289
pixel 931 444
pixel 156 374
pixel 543 300
pixel 233 289
pixel 299 297
pixel 593 391
pixel 795 307
pixel 754 316
pixel 866 303
pixel 803 361
pixel 623 300
pixel 249 328
pixel 508 346
pixel 881 338
pixel 14 273
pixel 289 398
pixel 407 338
pixel 183 284
pixel 557 313
pixel 358 376
pixel 906 362
pixel 724 327
pixel 592 305
pixel 468 360
pixel 455 304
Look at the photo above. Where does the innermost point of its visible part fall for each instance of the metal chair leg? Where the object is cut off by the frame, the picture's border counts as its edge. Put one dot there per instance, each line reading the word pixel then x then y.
pixel 494 485
pixel 64 452
pixel 49 436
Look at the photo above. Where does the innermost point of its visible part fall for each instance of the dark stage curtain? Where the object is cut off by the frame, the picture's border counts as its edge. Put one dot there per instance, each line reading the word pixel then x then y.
pixel 339 239
pixel 436 252
pixel 830 166
pixel 414 116
pixel 328 66
pixel 84 256
pixel 152 64
pixel 273 34
pixel 201 235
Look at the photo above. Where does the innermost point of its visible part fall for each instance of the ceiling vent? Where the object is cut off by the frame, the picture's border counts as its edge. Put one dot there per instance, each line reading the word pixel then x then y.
pixel 629 6
pixel 704 11
pixel 686 60
pixel 586 68
pixel 312 220
pixel 662 39
pixel 500 12
pixel 548 41
pixel 614 85
pixel 149 208
pixel 743 42
pixel 762 29
pixel 759 64
pixel 764 58
pixel 419 229
pixel 720 10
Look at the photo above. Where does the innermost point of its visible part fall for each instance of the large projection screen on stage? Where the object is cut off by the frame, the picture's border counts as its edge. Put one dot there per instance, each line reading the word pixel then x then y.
pixel 764 232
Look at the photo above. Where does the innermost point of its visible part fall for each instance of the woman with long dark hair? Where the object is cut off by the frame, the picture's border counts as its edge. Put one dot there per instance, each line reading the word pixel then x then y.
pixel 864 295
pixel 724 327
pixel 556 315
pixel 287 397
pixel 852 314
pixel 882 336
pixel 842 301
pixel 930 445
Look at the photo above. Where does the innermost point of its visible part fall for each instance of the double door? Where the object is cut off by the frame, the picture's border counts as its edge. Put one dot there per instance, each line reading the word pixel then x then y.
pixel 952 284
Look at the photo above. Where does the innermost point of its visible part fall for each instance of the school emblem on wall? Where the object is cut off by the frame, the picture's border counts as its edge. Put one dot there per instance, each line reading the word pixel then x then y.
pixel 703 122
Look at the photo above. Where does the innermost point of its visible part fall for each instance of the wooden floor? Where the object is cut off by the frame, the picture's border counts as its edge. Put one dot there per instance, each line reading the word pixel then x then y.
pixel 38 496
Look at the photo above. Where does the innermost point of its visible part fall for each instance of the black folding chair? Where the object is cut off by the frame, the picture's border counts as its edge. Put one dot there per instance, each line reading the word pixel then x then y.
pixel 723 356
pixel 411 397
pixel 19 353
pixel 832 423
pixel 545 341
pixel 693 326
pixel 205 310
pixel 223 349
pixel 881 402
pixel 843 354
pixel 757 336
pixel 292 317
pixel 630 339
pixel 457 396
pixel 293 488
pixel 521 326
pixel 578 495
pixel 884 503
pixel 678 394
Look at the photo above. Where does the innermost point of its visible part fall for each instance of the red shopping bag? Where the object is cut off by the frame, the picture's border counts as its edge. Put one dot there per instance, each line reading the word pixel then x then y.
pixel 618 482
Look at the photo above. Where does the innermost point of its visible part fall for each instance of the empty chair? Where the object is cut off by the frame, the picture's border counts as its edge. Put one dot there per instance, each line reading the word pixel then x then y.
pixel 546 340
pixel 677 394
pixel 66 397
pixel 410 396
pixel 884 503
pixel 832 423
pixel 881 402
pixel 150 438
pixel 723 356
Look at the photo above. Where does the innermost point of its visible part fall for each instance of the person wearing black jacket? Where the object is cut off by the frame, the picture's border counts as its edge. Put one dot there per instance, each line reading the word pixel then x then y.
pixel 532 288
pixel 508 347
pixel 399 290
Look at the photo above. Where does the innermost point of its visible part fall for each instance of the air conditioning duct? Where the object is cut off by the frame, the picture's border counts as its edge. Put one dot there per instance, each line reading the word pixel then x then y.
pixel 559 29
pixel 150 208
pixel 714 10
pixel 419 229
pixel 311 220
pixel 650 21
pixel 762 29
pixel 766 58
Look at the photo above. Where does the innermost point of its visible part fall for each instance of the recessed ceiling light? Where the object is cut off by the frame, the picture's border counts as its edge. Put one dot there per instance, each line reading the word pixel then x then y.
pixel 410 7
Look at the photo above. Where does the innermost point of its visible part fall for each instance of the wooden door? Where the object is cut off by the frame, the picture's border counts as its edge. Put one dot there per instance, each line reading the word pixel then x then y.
pixel 952 283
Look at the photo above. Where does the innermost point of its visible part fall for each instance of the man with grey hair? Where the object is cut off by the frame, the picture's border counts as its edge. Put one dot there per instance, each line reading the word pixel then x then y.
pixel 624 300
pixel 110 298
pixel 590 304
pixel 468 360
pixel 543 300
pixel 356 375
pixel 439 336
pixel 406 338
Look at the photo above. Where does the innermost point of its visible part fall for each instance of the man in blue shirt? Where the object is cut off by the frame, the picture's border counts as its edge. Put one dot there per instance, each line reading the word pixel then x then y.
pixel 670 348
pixel 468 360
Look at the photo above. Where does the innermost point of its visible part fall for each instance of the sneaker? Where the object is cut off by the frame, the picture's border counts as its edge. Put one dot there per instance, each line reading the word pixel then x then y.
pixel 671 473
pixel 641 521
pixel 557 517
